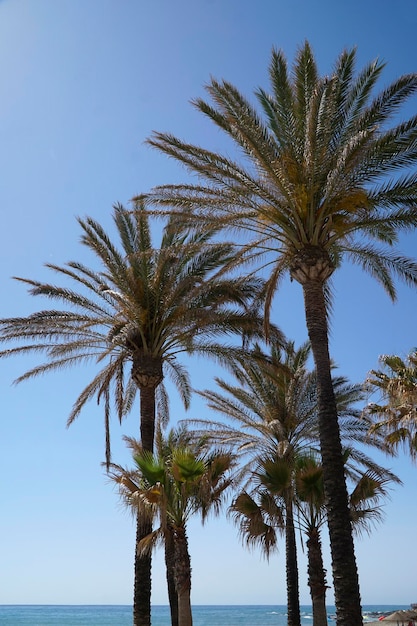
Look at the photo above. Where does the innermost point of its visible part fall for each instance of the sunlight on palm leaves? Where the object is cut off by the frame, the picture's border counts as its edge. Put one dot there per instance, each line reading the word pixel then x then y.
pixel 317 166
pixel 395 419
pixel 136 313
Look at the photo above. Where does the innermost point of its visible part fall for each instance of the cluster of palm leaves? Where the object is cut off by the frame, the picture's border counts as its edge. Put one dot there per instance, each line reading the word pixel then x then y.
pixel 181 479
pixel 396 418
pixel 319 180
pixel 270 417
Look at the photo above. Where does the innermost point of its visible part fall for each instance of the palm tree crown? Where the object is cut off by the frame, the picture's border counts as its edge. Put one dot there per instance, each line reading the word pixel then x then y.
pixel 272 408
pixel 318 161
pixel 396 418
pixel 136 313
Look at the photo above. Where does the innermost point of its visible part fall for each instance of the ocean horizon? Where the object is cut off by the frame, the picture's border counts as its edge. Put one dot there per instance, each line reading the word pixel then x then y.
pixel 203 615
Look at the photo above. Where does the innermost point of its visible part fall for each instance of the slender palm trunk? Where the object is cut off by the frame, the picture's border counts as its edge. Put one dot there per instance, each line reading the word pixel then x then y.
pixel 183 577
pixel 143 562
pixel 316 578
pixel 147 417
pixel 142 581
pixel 344 568
pixel 293 596
pixel 147 373
pixel 170 572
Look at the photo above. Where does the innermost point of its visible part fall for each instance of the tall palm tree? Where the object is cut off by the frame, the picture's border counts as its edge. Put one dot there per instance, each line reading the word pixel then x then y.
pixel 133 316
pixel 396 418
pixel 324 175
pixel 177 482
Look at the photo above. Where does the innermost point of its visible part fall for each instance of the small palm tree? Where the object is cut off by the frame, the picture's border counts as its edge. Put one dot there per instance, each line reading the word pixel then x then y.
pixel 368 483
pixel 271 419
pixel 396 417
pixel 275 474
pixel 326 174
pixel 269 416
pixel 133 316
pixel 181 480
pixel 310 504
pixel 262 514
pixel 287 493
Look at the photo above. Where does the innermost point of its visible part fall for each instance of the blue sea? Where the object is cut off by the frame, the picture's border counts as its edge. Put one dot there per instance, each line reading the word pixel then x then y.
pixel 107 615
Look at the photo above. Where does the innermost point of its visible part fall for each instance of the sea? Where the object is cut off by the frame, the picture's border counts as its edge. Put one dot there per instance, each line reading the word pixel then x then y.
pixel 210 615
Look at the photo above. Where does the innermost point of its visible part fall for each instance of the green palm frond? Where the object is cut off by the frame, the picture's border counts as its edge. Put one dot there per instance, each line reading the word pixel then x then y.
pixel 275 475
pixel 152 469
pixel 186 467
pixel 183 478
pixel 258 526
pixel 309 481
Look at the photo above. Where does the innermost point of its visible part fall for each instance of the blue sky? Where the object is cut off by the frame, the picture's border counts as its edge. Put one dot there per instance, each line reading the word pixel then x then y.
pixel 82 84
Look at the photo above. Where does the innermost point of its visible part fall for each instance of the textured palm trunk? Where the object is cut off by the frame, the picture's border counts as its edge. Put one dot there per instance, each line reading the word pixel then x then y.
pixel 183 577
pixel 147 373
pixel 293 597
pixel 170 567
pixel 344 568
pixel 143 562
pixel 316 578
pixel 142 580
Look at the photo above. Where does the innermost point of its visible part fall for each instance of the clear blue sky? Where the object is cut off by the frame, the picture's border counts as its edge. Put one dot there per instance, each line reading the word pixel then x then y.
pixel 82 84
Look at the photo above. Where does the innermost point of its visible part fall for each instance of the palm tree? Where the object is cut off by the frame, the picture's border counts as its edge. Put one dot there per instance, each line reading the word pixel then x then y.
pixel 310 503
pixel 396 418
pixel 271 419
pixel 181 480
pixel 275 476
pixel 133 317
pixel 262 514
pixel 311 189
pixel 125 479
pixel 368 488
pixel 271 414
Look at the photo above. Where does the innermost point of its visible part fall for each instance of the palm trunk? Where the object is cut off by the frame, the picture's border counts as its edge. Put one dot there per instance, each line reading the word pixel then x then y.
pixel 183 577
pixel 147 417
pixel 185 617
pixel 170 566
pixel 142 581
pixel 293 597
pixel 143 562
pixel 344 568
pixel 316 578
